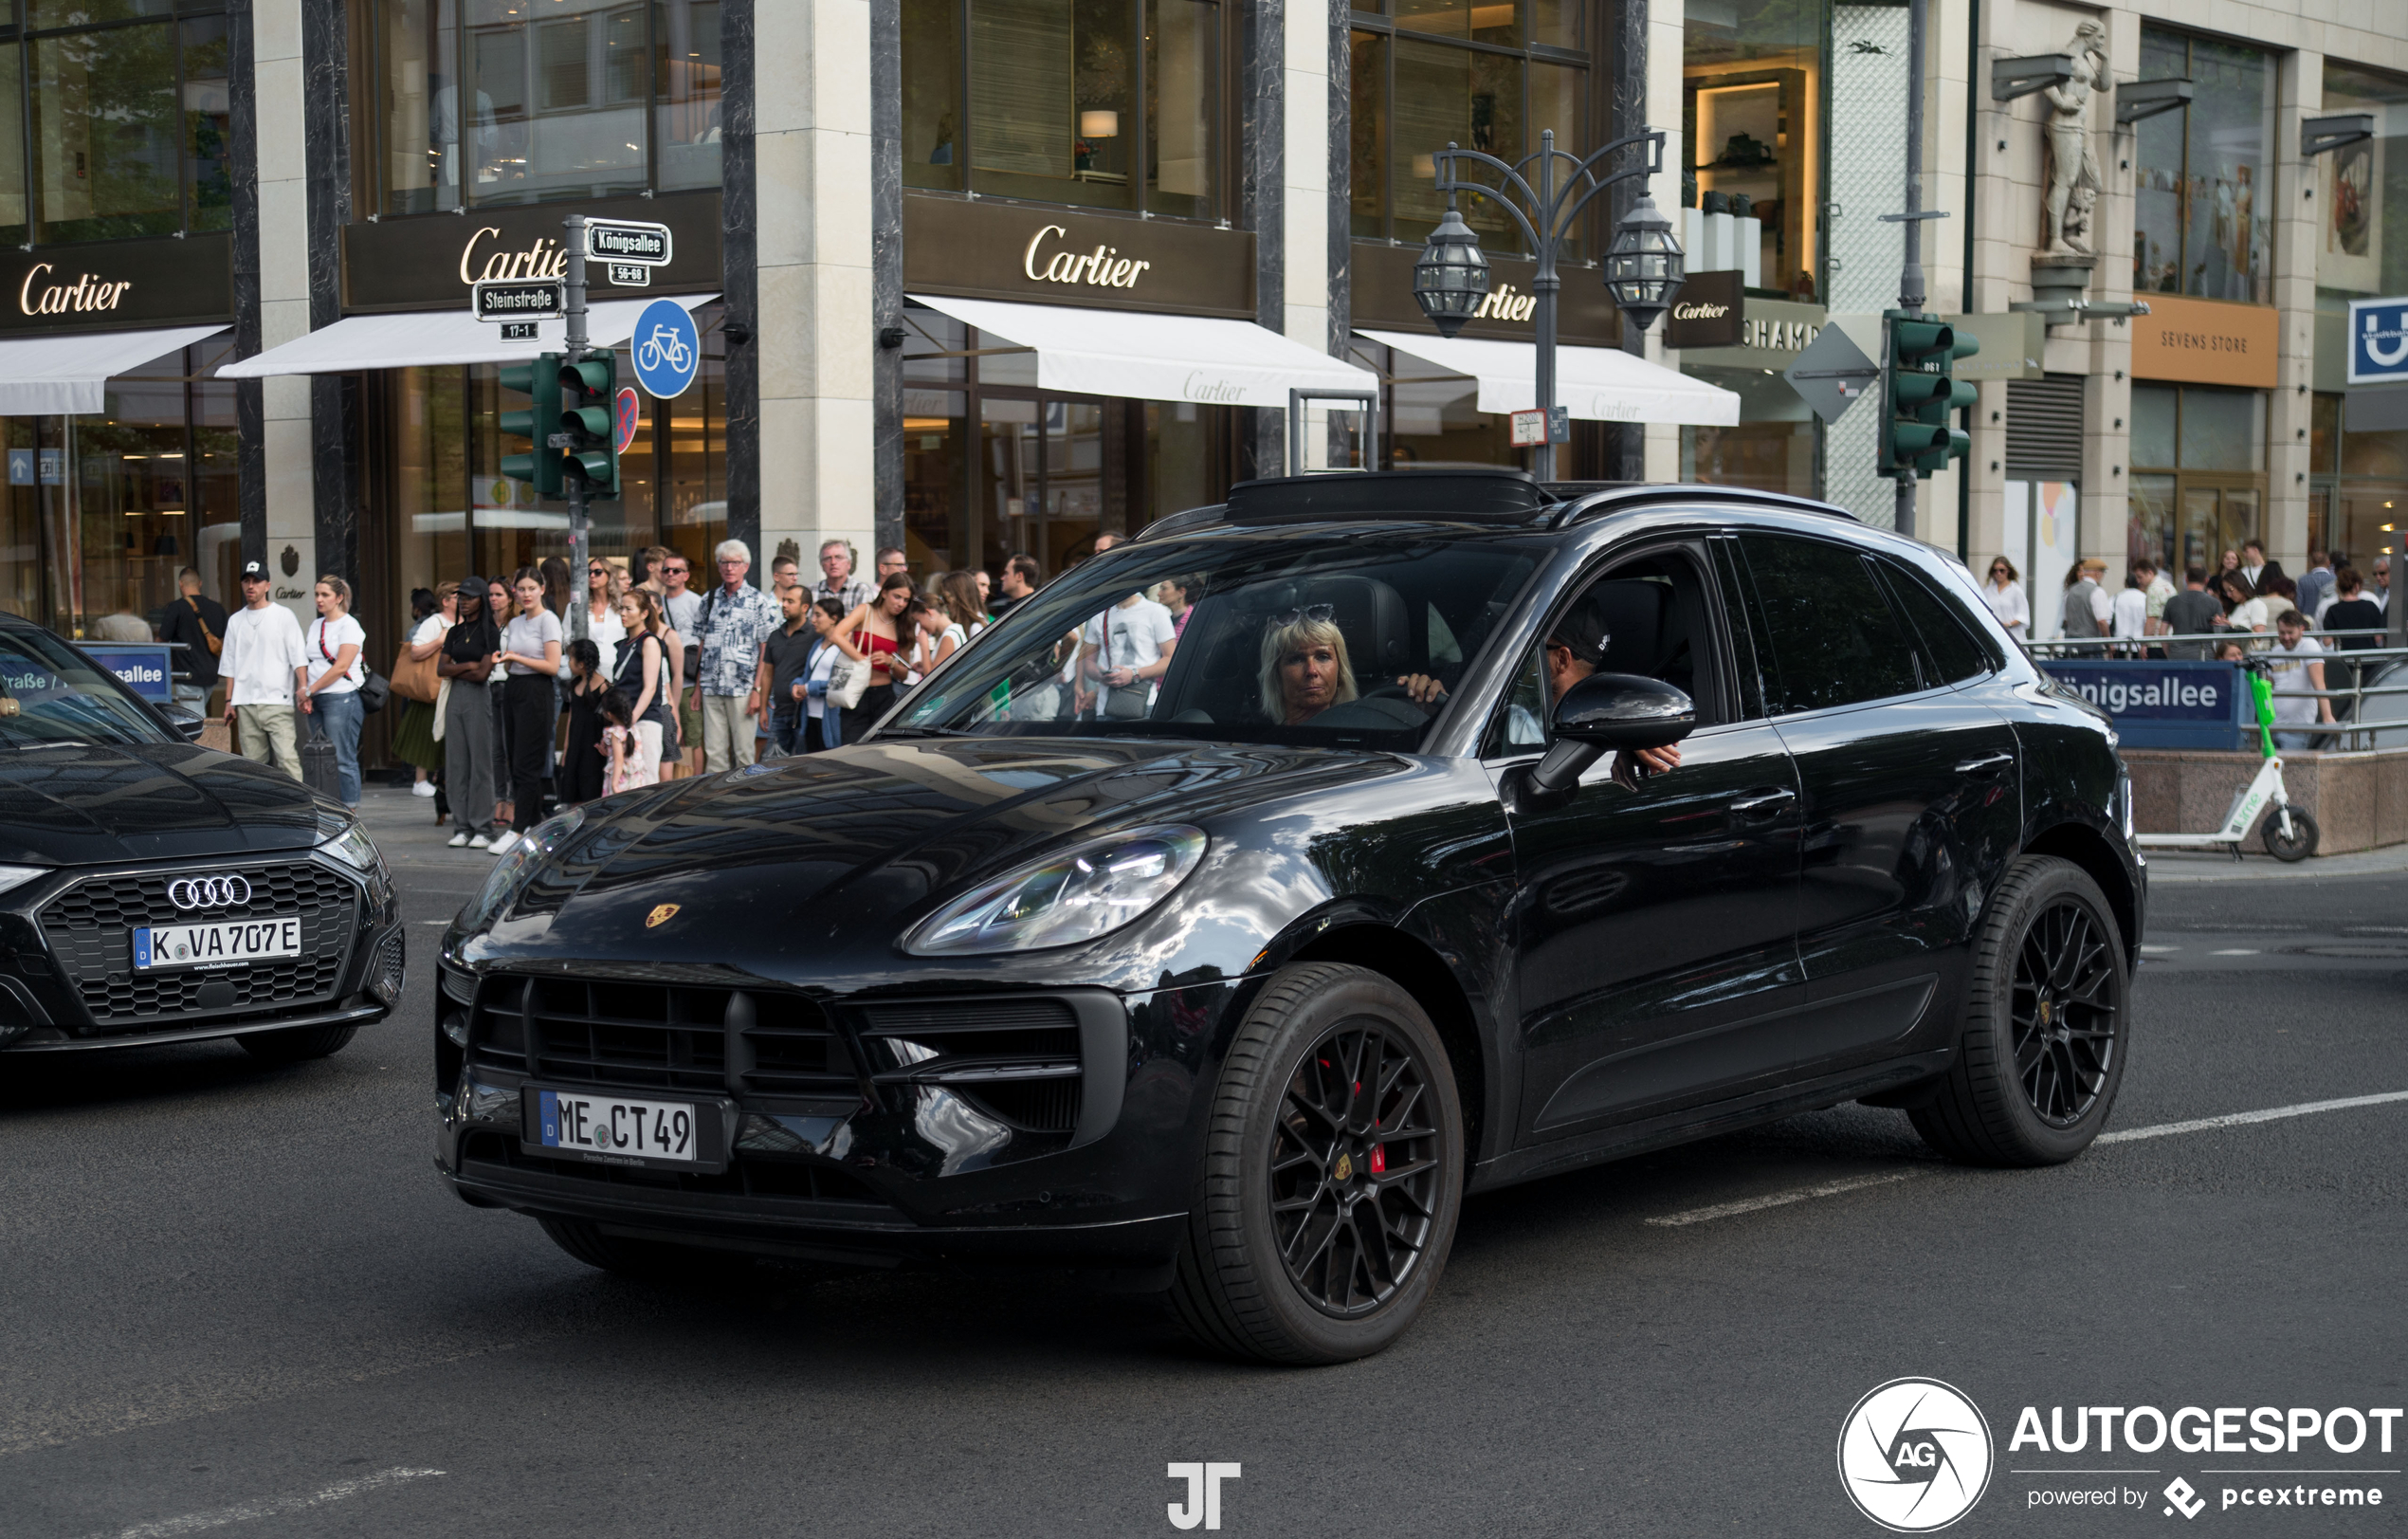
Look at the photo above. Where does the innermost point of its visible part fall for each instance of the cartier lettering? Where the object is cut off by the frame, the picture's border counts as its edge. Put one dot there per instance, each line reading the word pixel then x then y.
pixel 544 258
pixel 1699 312
pixel 89 292
pixel 1503 303
pixel 1103 267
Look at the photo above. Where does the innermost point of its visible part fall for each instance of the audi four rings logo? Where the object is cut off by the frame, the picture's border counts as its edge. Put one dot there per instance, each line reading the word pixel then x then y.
pixel 209 892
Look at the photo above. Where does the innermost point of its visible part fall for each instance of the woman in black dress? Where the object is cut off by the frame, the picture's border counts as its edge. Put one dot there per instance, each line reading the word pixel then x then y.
pixel 581 762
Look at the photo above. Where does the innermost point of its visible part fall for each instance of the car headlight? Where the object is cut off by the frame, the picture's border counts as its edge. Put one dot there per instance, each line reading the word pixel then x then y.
pixel 13 877
pixel 347 840
pixel 511 871
pixel 1075 896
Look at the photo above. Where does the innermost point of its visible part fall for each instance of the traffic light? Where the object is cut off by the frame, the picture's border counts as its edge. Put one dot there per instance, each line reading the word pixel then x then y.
pixel 586 387
pixel 1918 394
pixel 540 381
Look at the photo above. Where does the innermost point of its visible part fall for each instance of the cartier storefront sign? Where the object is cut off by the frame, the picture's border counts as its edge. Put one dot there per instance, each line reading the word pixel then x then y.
pixel 427 262
pixel 1710 311
pixel 991 251
pixel 1585 316
pixel 119 283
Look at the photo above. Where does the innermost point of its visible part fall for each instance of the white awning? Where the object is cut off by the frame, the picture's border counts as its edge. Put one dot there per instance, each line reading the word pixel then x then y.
pixel 1157 357
pixel 424 338
pixel 47 375
pixel 1597 384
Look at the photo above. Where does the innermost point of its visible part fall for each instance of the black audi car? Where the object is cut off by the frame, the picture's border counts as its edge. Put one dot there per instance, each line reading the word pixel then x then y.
pixel 154 890
pixel 1464 831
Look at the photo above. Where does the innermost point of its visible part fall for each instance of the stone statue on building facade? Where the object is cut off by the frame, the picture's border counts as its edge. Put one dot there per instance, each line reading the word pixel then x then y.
pixel 2072 167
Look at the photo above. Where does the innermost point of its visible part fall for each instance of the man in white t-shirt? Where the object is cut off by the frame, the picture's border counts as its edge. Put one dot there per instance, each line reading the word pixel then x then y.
pixel 2129 611
pixel 2294 676
pixel 1124 650
pixel 263 663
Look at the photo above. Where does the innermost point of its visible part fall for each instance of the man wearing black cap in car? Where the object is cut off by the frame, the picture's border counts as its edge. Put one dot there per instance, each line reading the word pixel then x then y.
pixel 1573 650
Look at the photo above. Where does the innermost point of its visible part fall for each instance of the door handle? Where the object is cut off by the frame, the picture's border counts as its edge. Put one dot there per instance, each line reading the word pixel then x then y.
pixel 1762 803
pixel 1987 765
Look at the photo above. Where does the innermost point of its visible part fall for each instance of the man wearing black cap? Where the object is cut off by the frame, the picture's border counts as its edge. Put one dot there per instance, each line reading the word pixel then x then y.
pixel 1573 650
pixel 263 664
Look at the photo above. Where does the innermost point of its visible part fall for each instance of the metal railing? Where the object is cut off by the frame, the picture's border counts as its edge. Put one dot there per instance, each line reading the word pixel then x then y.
pixel 2358 664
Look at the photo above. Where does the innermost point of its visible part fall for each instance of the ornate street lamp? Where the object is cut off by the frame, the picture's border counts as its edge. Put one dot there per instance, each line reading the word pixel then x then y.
pixel 1451 282
pixel 1644 267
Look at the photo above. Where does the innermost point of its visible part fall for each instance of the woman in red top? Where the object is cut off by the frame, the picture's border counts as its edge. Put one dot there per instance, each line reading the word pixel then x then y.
pixel 874 632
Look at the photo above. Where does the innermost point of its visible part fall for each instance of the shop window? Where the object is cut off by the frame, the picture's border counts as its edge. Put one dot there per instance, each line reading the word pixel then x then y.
pixel 480 103
pixel 1772 447
pixel 2362 247
pixel 1040 100
pixel 1751 121
pixel 1488 75
pixel 101 512
pixel 2203 209
pixel 2198 473
pixel 114 123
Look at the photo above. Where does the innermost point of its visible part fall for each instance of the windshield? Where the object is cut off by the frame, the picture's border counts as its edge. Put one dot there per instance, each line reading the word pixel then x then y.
pixel 1304 637
pixel 49 693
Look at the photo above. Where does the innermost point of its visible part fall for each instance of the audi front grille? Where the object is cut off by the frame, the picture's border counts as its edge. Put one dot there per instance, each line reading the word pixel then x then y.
pixel 89 928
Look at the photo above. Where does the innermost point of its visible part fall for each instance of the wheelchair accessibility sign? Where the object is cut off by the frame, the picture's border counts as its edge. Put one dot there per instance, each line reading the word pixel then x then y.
pixel 668 349
pixel 2378 341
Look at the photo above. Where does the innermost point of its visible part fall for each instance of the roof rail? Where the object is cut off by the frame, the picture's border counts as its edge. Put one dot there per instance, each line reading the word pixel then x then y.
pixel 1630 497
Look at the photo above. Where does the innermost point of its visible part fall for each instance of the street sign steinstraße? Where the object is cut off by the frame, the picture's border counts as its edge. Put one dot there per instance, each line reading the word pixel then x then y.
pixel 516 298
pixel 627 240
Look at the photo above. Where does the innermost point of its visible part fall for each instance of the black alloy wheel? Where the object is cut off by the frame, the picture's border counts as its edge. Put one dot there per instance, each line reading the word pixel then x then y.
pixel 1332 1176
pixel 2066 1011
pixel 1354 1169
pixel 2042 1038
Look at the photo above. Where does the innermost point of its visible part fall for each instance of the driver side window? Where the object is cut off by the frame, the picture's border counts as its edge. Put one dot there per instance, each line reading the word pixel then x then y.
pixel 1647 615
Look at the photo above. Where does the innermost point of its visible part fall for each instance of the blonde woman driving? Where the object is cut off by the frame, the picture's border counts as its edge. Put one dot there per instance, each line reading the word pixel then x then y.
pixel 1304 667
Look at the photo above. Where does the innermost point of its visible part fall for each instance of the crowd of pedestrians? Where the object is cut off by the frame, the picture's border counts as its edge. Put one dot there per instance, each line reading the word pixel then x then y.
pixel 2287 622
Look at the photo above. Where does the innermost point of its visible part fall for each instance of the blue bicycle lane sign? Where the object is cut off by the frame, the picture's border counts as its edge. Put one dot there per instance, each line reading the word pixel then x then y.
pixel 668 349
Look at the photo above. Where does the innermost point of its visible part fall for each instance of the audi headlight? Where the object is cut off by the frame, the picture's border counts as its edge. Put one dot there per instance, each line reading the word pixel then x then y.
pixel 1091 891
pixel 13 877
pixel 511 871
pixel 347 840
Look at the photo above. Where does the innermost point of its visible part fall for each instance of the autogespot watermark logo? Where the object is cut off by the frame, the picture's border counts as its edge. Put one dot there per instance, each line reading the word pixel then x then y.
pixel 1914 1454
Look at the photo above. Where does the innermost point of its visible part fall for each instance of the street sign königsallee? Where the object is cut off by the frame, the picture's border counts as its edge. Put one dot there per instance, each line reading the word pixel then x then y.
pixel 625 240
pixel 516 298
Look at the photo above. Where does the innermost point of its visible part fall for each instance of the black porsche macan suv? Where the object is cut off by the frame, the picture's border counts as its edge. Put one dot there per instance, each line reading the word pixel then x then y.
pixel 1226 955
pixel 152 890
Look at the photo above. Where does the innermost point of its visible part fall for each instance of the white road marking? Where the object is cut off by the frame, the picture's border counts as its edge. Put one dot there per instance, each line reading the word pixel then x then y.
pixel 2239 1119
pixel 1757 1204
pixel 271 1506
pixel 2158 950
pixel 2235 951
pixel 2165 1129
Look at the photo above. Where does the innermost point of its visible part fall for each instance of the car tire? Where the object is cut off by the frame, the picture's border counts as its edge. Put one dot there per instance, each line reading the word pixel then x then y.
pixel 298 1045
pixel 1308 1242
pixel 2301 840
pixel 2043 1034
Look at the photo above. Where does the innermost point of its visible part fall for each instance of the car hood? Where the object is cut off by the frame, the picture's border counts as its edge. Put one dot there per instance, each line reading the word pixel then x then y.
pixel 88 803
pixel 873 831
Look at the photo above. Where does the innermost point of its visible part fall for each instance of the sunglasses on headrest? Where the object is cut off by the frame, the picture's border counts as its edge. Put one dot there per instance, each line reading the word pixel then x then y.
pixel 1317 613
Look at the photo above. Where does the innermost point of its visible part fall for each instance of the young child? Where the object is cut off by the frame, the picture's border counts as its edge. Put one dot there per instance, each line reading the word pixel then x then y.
pixel 627 769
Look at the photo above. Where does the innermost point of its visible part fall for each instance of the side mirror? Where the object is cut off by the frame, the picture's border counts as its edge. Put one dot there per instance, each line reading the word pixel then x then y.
pixel 1610 711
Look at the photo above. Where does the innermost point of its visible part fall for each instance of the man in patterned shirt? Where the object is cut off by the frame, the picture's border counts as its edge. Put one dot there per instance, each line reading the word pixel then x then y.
pixel 735 619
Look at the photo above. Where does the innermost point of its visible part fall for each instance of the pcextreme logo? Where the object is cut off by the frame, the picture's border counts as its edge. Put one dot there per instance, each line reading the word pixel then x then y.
pixel 1915 1455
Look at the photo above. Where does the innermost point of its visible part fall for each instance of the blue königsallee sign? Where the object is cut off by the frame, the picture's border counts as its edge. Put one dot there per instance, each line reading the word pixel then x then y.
pixel 143 667
pixel 2161 703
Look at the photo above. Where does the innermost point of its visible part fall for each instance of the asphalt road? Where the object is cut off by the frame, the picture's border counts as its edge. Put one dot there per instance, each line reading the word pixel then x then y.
pixel 234 1298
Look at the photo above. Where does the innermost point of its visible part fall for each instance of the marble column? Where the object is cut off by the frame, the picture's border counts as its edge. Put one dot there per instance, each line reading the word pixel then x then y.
pixel 887 270
pixel 250 456
pixel 739 296
pixel 1263 201
pixel 334 400
pixel 1631 113
pixel 1658 446
pixel 281 115
pixel 814 326
pixel 1339 206
pixel 2299 94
